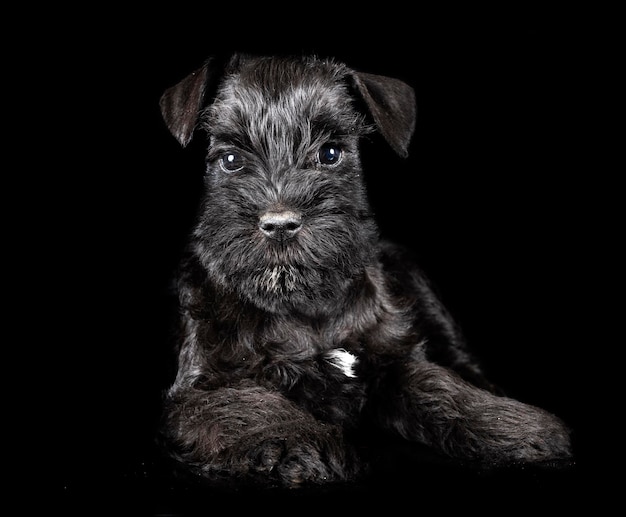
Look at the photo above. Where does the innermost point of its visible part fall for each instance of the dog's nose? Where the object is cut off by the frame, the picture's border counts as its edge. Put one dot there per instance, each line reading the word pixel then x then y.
pixel 280 225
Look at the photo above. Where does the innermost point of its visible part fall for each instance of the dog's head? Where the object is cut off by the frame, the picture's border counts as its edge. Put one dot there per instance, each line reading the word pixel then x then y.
pixel 285 222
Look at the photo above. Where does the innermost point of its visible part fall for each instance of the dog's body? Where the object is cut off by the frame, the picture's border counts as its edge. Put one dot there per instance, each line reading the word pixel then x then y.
pixel 299 326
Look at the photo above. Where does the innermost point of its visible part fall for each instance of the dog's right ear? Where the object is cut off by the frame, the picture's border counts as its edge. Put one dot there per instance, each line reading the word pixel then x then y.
pixel 181 104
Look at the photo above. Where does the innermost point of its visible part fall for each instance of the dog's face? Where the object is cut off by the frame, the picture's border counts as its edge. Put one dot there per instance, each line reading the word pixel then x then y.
pixel 285 222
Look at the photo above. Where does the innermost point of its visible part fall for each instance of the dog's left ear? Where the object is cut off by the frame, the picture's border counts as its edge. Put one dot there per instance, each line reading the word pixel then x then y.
pixel 392 105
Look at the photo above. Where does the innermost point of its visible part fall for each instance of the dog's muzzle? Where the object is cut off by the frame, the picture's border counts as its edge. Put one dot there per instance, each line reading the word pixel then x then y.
pixel 280 226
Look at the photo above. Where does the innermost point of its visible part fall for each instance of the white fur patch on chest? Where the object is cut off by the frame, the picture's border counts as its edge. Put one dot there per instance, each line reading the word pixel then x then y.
pixel 343 360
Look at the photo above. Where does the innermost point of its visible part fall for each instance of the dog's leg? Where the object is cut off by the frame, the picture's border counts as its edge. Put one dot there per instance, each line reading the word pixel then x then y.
pixel 433 405
pixel 254 434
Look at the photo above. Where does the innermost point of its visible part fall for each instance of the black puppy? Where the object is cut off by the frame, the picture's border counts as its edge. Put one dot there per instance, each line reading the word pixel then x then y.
pixel 299 326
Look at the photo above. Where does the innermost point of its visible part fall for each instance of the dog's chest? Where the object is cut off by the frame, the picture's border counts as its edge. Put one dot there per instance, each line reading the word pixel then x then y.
pixel 287 353
pixel 288 340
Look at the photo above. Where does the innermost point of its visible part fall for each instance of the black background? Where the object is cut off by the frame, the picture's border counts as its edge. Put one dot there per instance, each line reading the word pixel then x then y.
pixel 499 199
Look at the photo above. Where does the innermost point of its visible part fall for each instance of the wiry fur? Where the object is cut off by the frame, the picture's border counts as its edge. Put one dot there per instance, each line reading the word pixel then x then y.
pixel 290 344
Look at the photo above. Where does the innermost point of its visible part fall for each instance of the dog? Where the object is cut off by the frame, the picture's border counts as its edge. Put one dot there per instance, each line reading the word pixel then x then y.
pixel 300 326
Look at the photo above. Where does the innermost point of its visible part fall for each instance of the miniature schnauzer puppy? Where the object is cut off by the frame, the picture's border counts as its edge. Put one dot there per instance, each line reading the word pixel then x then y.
pixel 300 327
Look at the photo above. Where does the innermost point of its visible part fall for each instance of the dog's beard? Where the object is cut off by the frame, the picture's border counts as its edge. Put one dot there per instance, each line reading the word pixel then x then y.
pixel 278 279
pixel 309 273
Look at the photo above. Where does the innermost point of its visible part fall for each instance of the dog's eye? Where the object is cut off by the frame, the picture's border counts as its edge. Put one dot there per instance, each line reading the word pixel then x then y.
pixel 231 162
pixel 329 154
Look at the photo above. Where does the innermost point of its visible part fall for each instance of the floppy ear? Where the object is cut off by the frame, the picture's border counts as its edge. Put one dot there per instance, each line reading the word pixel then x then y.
pixel 181 104
pixel 392 105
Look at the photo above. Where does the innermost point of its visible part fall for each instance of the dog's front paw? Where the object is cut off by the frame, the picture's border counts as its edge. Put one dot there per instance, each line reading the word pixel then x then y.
pixel 267 455
pixel 294 461
pixel 303 464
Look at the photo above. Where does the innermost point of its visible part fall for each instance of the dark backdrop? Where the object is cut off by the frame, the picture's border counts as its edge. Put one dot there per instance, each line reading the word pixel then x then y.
pixel 494 199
